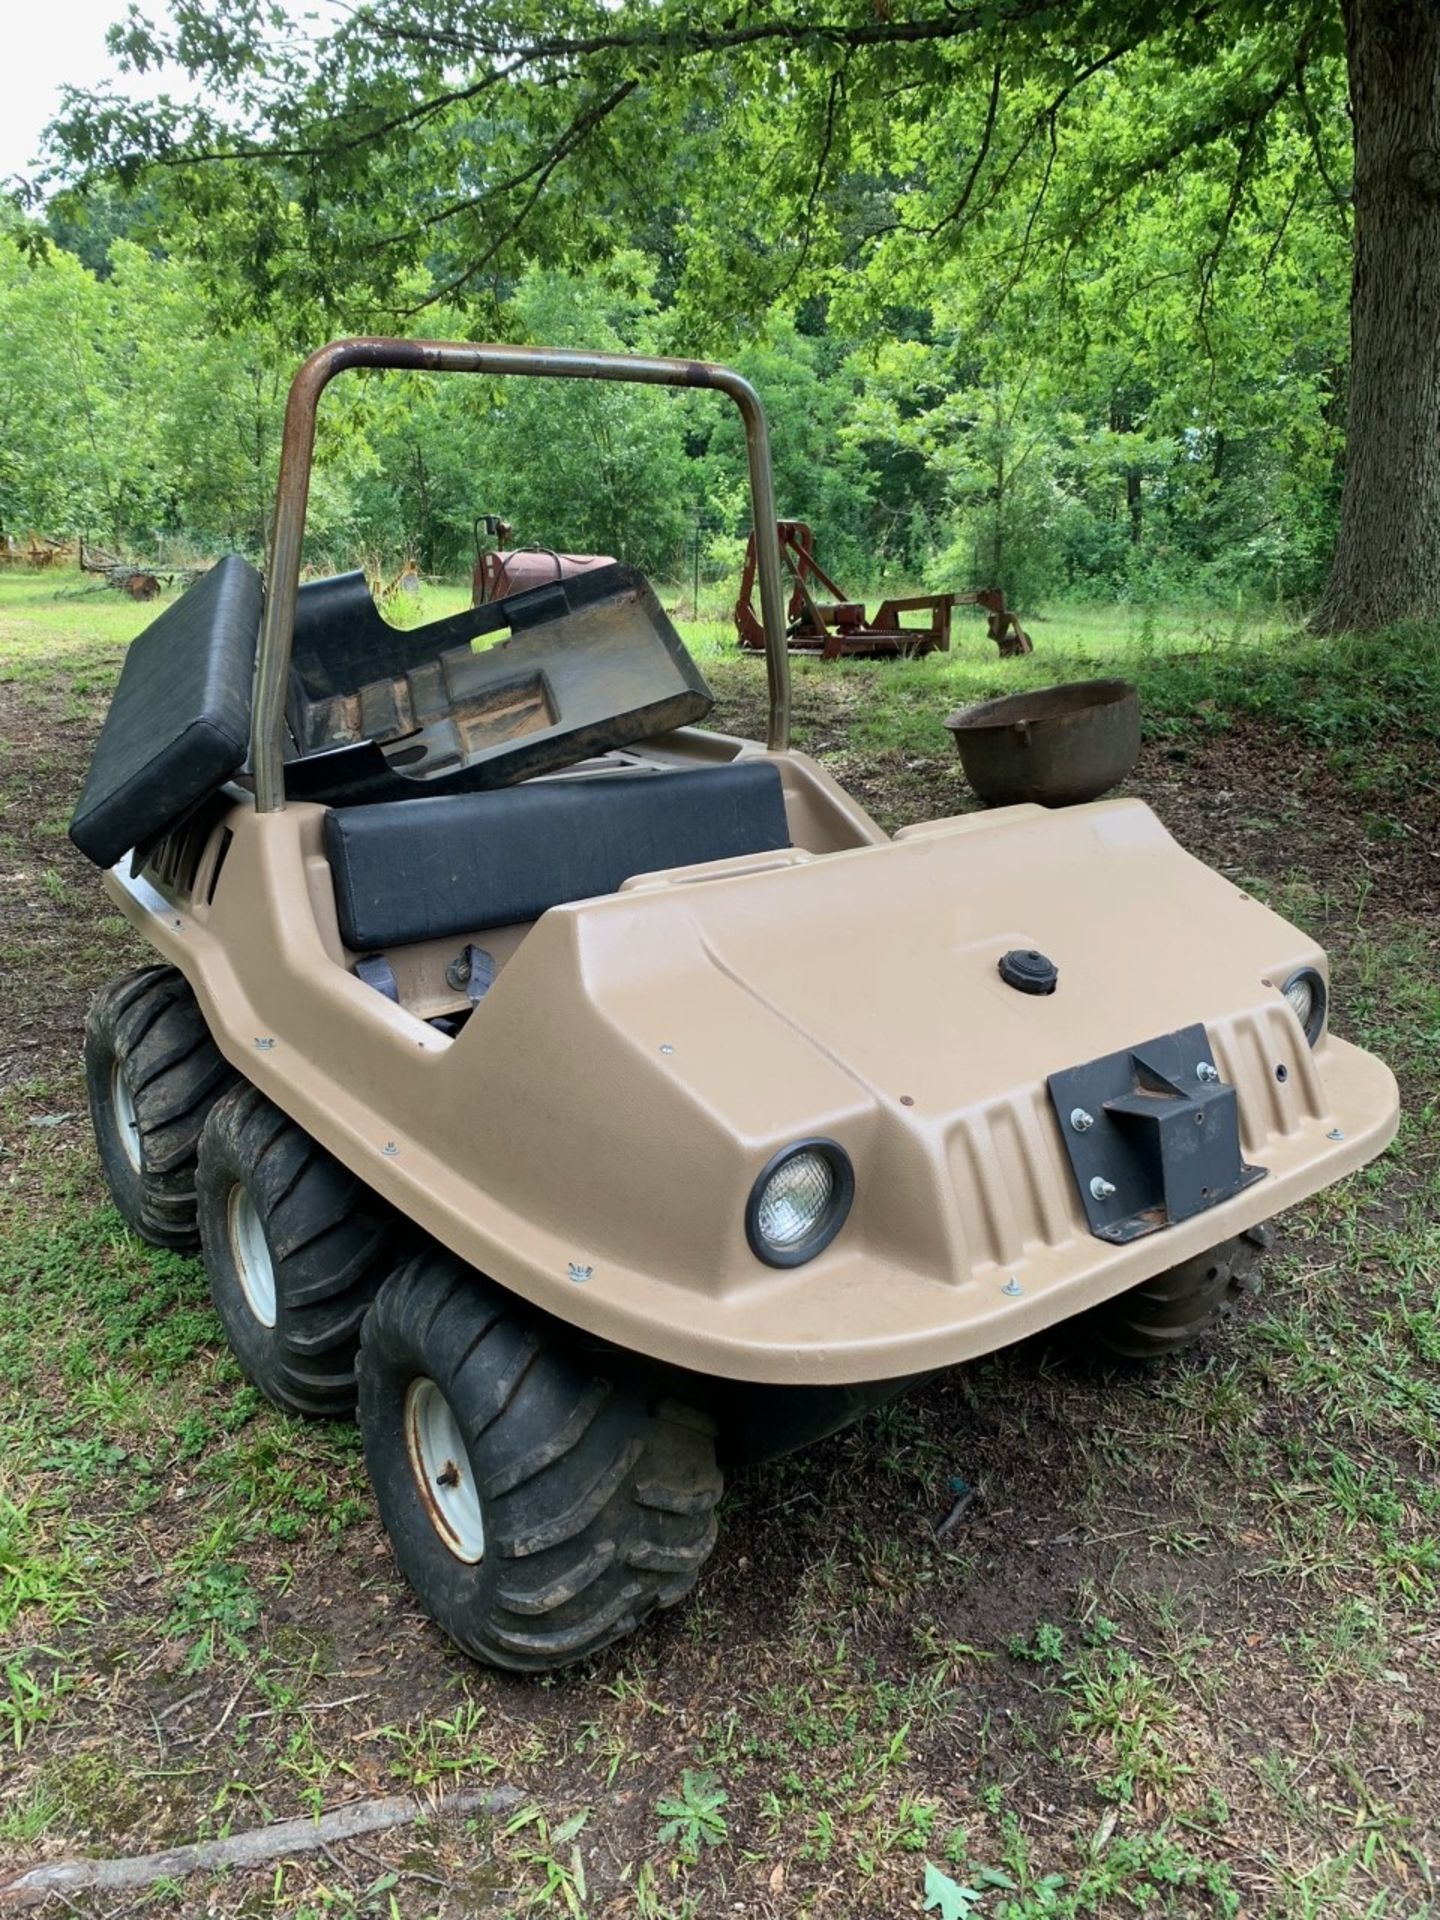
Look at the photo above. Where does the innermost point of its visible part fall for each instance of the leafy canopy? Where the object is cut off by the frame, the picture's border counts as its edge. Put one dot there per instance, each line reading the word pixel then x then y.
pixel 1048 294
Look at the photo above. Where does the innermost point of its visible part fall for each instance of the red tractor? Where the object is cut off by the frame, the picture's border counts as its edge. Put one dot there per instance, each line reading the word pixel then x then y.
pixel 502 570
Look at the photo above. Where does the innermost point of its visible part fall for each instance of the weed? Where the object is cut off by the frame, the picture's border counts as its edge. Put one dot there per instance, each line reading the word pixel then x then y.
pixel 693 1818
pixel 217 1605
pixel 562 1880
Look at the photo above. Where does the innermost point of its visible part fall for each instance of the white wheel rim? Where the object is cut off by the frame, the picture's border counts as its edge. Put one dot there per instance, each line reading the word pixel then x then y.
pixel 442 1471
pixel 123 1108
pixel 252 1256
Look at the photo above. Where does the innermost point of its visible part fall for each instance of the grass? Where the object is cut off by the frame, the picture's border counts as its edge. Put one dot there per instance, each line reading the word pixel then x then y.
pixel 1179 1659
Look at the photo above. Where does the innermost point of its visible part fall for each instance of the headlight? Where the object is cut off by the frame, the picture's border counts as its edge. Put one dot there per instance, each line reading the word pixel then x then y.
pixel 1305 991
pixel 799 1203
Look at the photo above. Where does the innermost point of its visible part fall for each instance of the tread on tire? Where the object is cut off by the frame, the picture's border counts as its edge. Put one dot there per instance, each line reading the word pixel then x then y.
pixel 327 1242
pixel 146 1030
pixel 598 1505
pixel 1179 1305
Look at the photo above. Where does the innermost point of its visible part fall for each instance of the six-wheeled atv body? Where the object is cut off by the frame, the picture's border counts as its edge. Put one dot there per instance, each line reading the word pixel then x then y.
pixel 610 1096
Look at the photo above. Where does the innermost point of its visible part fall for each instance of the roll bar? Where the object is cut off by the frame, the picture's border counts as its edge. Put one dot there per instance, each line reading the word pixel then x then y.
pixel 277 627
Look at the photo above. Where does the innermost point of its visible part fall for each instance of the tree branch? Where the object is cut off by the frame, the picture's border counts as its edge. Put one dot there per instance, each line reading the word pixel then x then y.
pixel 260 1845
pixel 582 124
pixel 835 90
pixel 982 154
pixel 1239 180
pixel 511 53
pixel 956 23
pixel 1312 130
pixel 556 157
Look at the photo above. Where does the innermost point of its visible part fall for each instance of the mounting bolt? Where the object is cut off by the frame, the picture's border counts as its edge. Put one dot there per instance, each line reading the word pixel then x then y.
pixel 1206 1074
pixel 1336 1133
pixel 1100 1188
pixel 579 1273
pixel 1080 1120
pixel 1013 1288
pixel 665 1047
pixel 264 1045
pixel 390 1150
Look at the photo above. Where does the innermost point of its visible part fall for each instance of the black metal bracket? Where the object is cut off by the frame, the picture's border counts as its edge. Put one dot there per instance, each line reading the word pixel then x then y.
pixel 1153 1135
pixel 376 971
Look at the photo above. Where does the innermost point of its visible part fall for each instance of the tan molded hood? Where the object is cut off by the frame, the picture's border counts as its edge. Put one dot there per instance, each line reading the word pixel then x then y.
pixel 592 1136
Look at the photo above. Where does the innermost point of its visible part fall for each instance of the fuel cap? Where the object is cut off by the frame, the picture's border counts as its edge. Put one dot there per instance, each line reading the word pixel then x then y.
pixel 1028 971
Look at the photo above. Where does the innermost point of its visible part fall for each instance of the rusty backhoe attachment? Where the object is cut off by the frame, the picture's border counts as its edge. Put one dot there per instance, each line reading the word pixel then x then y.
pixel 1002 623
pixel 836 626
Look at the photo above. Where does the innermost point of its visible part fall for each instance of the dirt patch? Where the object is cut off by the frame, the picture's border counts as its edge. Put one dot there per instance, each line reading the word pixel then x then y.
pixel 1254 800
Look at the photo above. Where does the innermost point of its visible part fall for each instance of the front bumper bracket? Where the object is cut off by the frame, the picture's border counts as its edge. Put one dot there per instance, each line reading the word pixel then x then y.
pixel 1152 1133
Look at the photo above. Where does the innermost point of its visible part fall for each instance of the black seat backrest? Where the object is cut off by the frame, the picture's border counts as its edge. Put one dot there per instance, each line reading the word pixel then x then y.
pixel 179 724
pixel 411 870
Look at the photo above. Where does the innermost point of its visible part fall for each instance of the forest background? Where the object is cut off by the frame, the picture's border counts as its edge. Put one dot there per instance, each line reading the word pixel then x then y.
pixel 1075 321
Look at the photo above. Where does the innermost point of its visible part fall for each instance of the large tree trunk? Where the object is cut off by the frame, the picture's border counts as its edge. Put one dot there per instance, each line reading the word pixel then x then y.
pixel 1387 557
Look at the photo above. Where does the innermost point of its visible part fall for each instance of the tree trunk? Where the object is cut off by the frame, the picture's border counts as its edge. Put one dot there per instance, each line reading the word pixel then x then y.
pixel 1387 556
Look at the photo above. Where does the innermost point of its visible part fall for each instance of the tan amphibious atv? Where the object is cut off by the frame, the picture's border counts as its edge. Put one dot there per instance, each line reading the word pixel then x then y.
pixel 600 1099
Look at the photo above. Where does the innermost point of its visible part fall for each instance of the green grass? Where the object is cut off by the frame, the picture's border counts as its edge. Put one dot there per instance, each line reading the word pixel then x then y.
pixel 1196 673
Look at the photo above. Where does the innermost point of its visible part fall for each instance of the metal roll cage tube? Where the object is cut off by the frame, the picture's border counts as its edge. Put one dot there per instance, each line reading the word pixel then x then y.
pixel 272 665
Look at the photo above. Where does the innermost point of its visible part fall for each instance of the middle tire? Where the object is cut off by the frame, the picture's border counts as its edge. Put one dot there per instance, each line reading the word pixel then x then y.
pixel 539 1509
pixel 1173 1310
pixel 295 1248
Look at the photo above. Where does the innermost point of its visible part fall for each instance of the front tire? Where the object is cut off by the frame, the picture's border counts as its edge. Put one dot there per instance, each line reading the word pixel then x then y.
pixel 152 1074
pixel 295 1248
pixel 1178 1306
pixel 539 1509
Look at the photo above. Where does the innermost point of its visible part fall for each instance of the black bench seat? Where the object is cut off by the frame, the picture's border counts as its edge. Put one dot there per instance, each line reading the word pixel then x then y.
pixel 424 869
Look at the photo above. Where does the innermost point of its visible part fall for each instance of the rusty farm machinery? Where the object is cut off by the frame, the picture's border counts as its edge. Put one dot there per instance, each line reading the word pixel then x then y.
pixel 836 627
pixel 501 569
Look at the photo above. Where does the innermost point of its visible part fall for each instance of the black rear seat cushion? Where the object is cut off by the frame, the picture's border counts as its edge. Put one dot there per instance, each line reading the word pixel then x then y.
pixel 179 724
pixel 411 870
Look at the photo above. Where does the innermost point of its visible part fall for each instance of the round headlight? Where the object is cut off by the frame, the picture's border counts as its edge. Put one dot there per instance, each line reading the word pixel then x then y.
pixel 799 1203
pixel 1305 991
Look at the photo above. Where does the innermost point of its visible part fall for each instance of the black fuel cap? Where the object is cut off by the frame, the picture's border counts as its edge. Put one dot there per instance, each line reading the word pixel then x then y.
pixel 1028 971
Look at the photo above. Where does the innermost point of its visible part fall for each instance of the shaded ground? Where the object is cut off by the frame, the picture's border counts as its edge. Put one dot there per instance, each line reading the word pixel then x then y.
pixel 1181 1654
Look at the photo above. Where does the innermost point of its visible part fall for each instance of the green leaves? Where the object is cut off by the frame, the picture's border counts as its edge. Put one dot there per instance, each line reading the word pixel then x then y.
pixel 952 1901
pixel 1051 297
pixel 947 1897
pixel 693 1818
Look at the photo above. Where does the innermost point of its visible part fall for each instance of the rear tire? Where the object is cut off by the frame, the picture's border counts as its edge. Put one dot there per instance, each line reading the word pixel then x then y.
pixel 152 1074
pixel 1178 1306
pixel 539 1509
pixel 295 1247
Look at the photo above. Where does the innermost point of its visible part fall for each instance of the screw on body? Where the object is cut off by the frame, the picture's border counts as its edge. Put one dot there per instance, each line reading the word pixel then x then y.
pixel 1206 1074
pixel 1080 1120
pixel 1100 1188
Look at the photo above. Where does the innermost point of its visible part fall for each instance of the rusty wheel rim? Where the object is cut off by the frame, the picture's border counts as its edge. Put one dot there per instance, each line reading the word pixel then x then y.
pixel 442 1471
